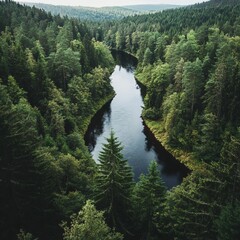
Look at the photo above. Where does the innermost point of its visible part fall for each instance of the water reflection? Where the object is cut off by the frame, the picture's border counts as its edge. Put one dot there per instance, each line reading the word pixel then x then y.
pixel 120 59
pixel 123 115
pixel 96 126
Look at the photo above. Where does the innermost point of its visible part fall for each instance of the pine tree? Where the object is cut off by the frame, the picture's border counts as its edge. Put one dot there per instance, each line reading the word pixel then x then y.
pixel 149 195
pixel 147 58
pixel 113 183
pixel 228 222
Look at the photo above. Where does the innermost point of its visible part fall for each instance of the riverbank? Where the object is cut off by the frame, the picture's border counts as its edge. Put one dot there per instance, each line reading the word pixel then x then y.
pixel 125 52
pixel 156 127
pixel 123 116
pixel 97 107
pixel 184 157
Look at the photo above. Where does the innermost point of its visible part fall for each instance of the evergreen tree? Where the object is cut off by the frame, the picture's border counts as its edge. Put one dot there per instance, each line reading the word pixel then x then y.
pixel 228 222
pixel 114 182
pixel 208 148
pixel 193 85
pixel 149 196
pixel 148 57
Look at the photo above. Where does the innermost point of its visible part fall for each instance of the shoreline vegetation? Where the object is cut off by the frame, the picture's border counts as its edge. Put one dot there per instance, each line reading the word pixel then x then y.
pixel 99 105
pixel 184 157
pixel 54 77
pixel 156 128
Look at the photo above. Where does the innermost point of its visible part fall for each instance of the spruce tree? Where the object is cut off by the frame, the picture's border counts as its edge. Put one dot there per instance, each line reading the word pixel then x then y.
pixel 149 196
pixel 114 182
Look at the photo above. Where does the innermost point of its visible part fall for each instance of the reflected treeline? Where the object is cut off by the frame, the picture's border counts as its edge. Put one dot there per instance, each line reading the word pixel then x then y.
pixel 169 164
pixel 96 126
pixel 143 88
pixel 143 146
pixel 125 60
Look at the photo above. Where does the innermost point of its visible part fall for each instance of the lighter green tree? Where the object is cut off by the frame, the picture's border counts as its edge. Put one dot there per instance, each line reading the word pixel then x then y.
pixel 89 224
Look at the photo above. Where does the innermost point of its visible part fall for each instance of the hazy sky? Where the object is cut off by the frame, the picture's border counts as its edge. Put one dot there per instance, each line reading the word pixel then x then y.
pixel 101 3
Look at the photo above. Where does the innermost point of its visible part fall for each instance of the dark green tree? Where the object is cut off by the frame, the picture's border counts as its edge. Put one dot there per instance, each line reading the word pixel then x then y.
pixel 63 65
pixel 149 196
pixel 147 57
pixel 193 85
pixel 114 183
pixel 228 222
pixel 209 146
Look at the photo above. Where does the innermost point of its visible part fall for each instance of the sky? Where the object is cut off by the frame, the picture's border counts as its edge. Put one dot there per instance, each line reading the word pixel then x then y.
pixel 102 3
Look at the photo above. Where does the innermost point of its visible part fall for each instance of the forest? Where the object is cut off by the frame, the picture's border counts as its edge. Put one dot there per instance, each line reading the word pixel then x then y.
pixel 87 13
pixel 54 76
pixel 103 13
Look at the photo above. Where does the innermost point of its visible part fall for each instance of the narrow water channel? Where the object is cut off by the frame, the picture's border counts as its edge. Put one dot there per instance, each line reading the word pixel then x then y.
pixel 123 116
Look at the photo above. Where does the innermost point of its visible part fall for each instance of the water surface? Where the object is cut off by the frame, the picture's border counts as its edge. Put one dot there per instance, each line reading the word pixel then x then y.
pixel 123 116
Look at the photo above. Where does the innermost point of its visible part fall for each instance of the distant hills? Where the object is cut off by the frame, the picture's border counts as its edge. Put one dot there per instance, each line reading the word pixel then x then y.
pixel 100 14
pixel 115 13
pixel 217 3
pixel 151 7
pixel 86 13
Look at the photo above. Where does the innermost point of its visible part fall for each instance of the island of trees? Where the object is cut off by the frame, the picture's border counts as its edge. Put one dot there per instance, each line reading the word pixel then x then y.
pixel 54 75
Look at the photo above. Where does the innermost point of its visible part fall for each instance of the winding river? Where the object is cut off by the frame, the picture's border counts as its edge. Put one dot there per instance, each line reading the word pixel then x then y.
pixel 123 116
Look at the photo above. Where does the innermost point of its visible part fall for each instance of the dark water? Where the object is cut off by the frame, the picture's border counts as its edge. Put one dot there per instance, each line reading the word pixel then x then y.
pixel 123 116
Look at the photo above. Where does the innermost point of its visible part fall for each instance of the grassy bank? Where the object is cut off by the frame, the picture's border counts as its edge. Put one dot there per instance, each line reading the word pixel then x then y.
pixel 156 127
pixel 184 157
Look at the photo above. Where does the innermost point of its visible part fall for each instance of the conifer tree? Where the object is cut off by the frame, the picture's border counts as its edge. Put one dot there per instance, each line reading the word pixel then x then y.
pixel 113 183
pixel 149 195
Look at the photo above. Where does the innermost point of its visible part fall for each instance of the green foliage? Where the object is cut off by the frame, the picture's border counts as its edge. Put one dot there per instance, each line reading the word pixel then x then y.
pixel 192 82
pixel 209 146
pixel 70 203
pixel 119 40
pixel 25 236
pixel 89 224
pixel 151 113
pixel 207 198
pixel 14 91
pixel 114 182
pixel 189 62
pixel 89 13
pixel 54 74
pixel 147 57
pixel 63 65
pixel 149 196
pixel 103 55
pixel 228 222
pixel 47 92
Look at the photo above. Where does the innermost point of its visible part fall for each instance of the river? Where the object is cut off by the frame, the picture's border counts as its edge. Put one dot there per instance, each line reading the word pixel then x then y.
pixel 123 116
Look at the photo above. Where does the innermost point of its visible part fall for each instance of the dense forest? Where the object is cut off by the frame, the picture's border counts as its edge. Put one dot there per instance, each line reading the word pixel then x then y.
pixel 53 78
pixel 189 61
pixel 103 13
pixel 54 75
pixel 151 8
pixel 87 13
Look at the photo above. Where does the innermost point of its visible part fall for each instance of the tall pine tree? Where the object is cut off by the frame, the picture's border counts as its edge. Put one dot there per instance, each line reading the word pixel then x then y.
pixel 114 182
pixel 149 196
